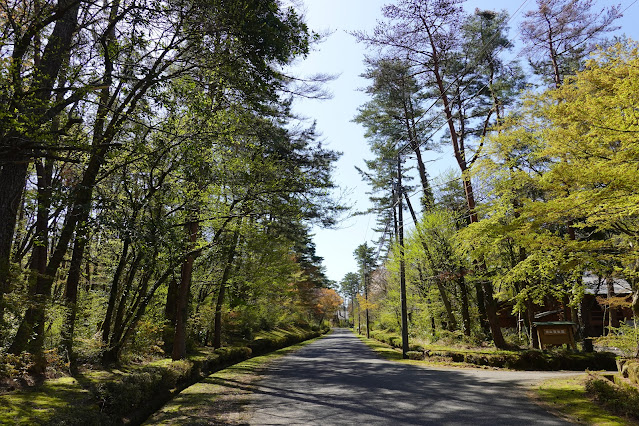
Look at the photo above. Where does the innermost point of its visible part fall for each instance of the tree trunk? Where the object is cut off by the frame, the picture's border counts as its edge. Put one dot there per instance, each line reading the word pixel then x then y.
pixel 14 166
pixel 452 322
pixel 113 293
pixel 530 314
pixel 71 295
pixel 217 328
pixel 179 342
pixel 359 318
pixel 118 324
pixel 368 328
pixel 463 291
pixel 493 320
pixel 635 309
pixel 460 156
pixel 38 263
pixel 612 310
pixel 353 309
pixel 13 174
pixel 450 316
pixel 170 315
pixel 409 118
pixel 481 308
pixel 402 266
pixel 35 315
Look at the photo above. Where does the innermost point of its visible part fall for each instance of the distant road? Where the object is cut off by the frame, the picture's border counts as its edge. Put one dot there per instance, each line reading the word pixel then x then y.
pixel 339 380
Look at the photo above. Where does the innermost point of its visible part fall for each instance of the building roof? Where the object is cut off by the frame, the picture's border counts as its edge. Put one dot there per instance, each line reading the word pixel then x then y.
pixel 598 285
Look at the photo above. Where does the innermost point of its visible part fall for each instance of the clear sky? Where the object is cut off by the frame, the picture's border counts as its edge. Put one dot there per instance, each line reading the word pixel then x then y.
pixel 340 54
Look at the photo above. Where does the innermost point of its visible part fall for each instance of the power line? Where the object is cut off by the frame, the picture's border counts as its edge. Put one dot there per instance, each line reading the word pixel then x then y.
pixel 629 6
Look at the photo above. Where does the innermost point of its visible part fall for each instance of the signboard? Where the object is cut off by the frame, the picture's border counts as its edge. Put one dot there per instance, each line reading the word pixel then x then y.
pixel 555 333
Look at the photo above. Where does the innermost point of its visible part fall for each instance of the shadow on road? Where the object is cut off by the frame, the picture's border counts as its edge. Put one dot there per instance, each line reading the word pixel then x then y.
pixel 338 380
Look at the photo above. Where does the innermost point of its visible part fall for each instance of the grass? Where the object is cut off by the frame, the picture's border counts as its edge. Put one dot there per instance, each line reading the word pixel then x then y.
pixel 128 393
pixel 230 390
pixel 393 354
pixel 568 397
pixel 616 394
pixel 485 357
pixel 55 402
pixel 382 349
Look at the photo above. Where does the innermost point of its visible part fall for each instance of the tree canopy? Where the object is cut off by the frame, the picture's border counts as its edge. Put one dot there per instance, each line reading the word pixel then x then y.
pixel 154 178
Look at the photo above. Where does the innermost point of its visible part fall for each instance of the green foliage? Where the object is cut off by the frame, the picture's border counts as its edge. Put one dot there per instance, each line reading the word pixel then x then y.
pixel 145 343
pixel 12 366
pixel 620 398
pixel 624 338
pixel 450 349
pixel 564 196
pixel 569 397
pixel 553 169
pixel 196 133
pixel 393 339
pixel 629 369
pixel 350 285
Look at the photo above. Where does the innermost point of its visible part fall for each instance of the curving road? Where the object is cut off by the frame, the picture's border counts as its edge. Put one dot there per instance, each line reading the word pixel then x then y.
pixel 338 380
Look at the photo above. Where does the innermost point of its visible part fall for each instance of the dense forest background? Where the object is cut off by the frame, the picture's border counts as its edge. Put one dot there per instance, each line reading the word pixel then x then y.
pixel 156 191
pixel 545 192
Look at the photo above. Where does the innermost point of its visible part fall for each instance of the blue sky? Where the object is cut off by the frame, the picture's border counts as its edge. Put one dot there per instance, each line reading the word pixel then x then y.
pixel 341 55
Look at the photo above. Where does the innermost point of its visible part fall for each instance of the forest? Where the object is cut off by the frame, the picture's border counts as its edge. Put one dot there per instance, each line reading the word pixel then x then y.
pixel 544 190
pixel 156 190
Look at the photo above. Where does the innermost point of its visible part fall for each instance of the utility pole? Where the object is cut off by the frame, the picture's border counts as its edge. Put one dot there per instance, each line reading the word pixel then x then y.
pixel 368 329
pixel 402 266
pixel 359 317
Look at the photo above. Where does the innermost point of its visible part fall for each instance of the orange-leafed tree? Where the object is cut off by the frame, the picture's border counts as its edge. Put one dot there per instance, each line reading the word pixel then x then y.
pixel 326 304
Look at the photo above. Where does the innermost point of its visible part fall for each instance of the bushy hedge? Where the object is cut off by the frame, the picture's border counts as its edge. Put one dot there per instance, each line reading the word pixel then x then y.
pixel 129 395
pixel 134 392
pixel 394 340
pixel 629 368
pixel 522 360
pixel 269 342
pixel 619 397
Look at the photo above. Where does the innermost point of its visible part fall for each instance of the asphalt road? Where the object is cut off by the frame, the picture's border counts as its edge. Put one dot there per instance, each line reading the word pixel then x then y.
pixel 338 380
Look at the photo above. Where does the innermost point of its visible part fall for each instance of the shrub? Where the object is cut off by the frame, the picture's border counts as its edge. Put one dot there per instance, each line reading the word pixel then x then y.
pixel 14 365
pixel 629 368
pixel 625 338
pixel 524 360
pixel 146 343
pixel 620 398
pixel 135 392
pixel 388 337
pixel 457 337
